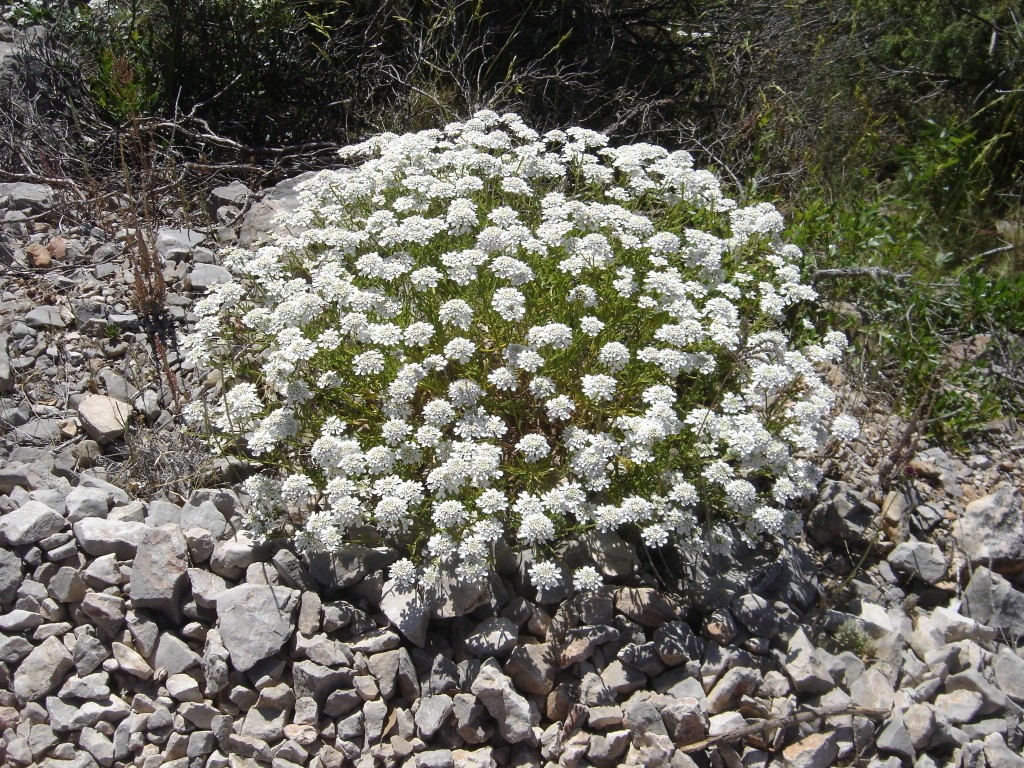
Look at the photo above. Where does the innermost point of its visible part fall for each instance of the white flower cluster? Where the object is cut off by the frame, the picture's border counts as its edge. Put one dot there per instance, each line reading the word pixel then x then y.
pixel 482 333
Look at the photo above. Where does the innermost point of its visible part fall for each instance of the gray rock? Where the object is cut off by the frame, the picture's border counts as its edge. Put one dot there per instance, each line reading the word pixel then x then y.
pixel 839 514
pixel 29 524
pixel 613 556
pixel 43 670
pixel 406 609
pixel 236 193
pixel 20 620
pixel 991 530
pixel 177 244
pixel 1008 668
pixel 310 607
pixel 145 632
pixel 873 690
pixel 89 654
pixel 20 195
pixel 174 655
pixel 264 723
pixel 263 219
pixel 45 317
pixel 999 755
pixel 87 502
pixel 432 713
pixel 98 745
pixel 648 607
pixel 376 642
pixel 183 688
pixel 922 560
pixel 14 649
pixel 10 575
pixel 66 586
pixel 256 621
pixel 685 719
pixel 6 372
pixel 202 277
pixel 232 556
pixel 807 672
pixel 106 611
pixel 532 667
pixel 317 681
pixel 104 418
pixel 676 644
pixel 215 662
pixel 895 739
pixel 756 614
pixel 131 661
pixel 434 758
pixel 374 715
pixel 97 536
pixel 292 572
pixel 493 637
pixel 736 682
pixel 511 711
pixel 206 587
pixel 450 596
pixel 642 717
pixel 989 599
pixel 819 750
pixel 159 572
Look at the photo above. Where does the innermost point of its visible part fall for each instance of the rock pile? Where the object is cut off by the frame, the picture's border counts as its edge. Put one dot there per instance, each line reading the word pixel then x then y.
pixel 155 632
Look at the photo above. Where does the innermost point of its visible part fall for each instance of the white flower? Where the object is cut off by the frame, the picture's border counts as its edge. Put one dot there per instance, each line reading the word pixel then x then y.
pixel 418 334
pixel 509 303
pixel 425 278
pixel 545 574
pixel 403 573
pixel 368 363
pixel 533 447
pixel 845 428
pixel 458 313
pixel 536 528
pixel 587 579
pixel 591 326
pixel 613 356
pixel 492 502
pixel 503 379
pixel 560 408
pixel 598 386
pixel 459 350
pixel 655 536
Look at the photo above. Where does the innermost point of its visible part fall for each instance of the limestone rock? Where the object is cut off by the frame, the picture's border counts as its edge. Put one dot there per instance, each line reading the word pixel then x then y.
pixel 991 530
pixel 991 600
pixel 255 621
pixel 159 573
pixel 43 670
pixel 511 711
pixel 98 536
pixel 104 418
pixel 30 523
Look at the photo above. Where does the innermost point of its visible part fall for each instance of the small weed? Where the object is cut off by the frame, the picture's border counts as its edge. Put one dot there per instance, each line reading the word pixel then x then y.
pixel 850 637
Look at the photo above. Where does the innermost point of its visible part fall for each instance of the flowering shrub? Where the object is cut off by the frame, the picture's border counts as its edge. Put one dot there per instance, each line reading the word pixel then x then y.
pixel 480 333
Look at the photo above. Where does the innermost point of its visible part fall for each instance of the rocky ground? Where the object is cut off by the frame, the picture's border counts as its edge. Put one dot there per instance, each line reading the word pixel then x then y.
pixel 140 626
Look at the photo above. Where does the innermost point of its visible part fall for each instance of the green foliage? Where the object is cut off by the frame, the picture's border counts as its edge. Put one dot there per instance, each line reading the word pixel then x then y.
pixel 850 636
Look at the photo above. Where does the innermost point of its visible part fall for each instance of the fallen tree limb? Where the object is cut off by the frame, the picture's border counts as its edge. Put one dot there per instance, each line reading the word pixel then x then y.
pixel 876 273
pixel 738 734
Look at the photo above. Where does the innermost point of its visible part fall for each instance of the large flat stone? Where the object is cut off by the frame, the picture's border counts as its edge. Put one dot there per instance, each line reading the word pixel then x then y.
pixel 98 536
pixel 32 522
pixel 159 573
pixel 255 621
